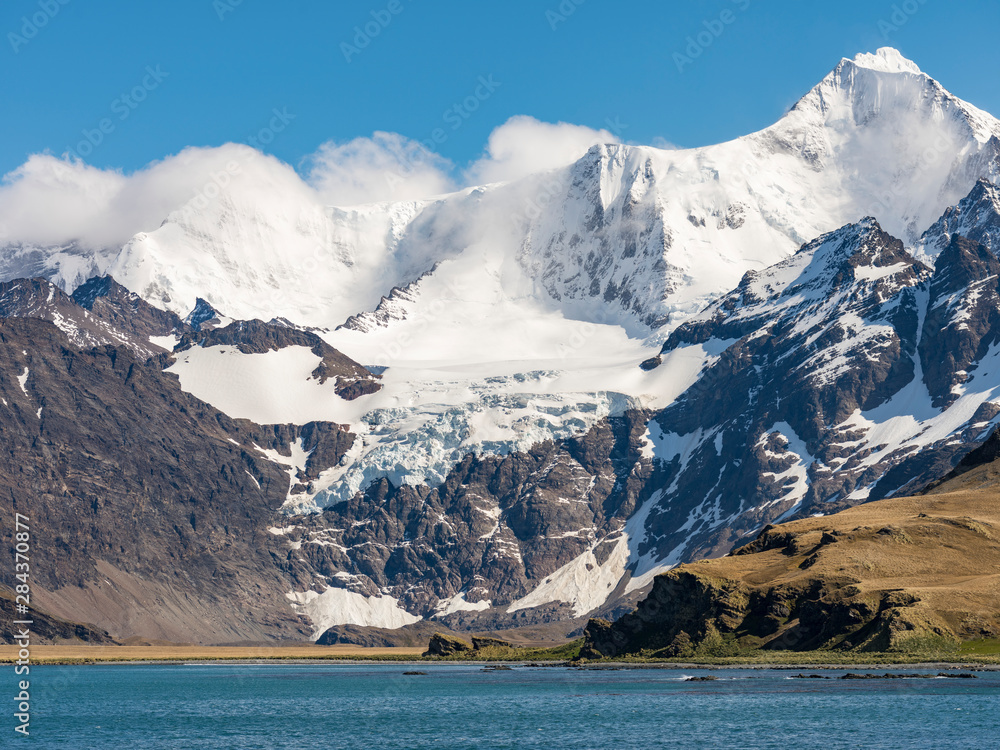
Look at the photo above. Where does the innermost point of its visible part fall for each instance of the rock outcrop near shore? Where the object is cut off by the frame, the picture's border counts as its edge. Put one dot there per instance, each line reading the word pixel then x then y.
pixel 907 575
pixel 445 645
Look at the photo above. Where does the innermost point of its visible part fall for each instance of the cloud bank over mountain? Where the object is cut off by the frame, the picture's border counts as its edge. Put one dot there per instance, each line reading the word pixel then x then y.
pixel 52 200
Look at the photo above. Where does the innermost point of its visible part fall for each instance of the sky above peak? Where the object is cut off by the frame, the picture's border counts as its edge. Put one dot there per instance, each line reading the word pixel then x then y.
pixel 123 84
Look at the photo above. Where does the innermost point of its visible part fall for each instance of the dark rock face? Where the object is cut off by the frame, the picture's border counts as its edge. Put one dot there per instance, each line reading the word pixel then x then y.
pixel 443 645
pixel 976 217
pixel 125 311
pixel 203 316
pixel 687 614
pixel 651 364
pixel 495 529
pixel 682 609
pixel 100 312
pixel 963 317
pixel 480 643
pixel 152 507
pixel 369 637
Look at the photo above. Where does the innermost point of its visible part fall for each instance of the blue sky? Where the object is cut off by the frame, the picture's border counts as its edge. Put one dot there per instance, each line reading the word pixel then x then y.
pixel 224 68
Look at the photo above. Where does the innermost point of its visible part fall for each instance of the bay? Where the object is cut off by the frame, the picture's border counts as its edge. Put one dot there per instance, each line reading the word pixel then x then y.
pixel 281 705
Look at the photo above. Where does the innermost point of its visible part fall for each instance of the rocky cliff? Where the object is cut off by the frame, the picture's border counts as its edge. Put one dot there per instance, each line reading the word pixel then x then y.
pixel 483 447
pixel 903 575
pixel 149 509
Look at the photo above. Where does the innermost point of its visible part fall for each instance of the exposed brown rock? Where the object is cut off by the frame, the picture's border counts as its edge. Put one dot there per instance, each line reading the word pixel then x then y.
pixel 444 645
pixel 371 637
pixel 481 643
pixel 46 628
pixel 896 575
pixel 149 509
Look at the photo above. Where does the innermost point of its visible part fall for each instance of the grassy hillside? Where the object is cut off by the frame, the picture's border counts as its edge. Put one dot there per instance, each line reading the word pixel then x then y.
pixel 914 576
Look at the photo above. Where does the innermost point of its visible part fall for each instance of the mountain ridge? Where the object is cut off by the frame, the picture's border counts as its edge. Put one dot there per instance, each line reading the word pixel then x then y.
pixel 481 447
pixel 913 575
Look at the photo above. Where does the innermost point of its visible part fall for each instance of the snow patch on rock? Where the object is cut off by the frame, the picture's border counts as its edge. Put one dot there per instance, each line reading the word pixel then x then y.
pixel 458 603
pixel 582 582
pixel 336 606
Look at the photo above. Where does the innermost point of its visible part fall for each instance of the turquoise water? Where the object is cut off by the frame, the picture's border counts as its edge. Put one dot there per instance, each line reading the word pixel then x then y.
pixel 376 706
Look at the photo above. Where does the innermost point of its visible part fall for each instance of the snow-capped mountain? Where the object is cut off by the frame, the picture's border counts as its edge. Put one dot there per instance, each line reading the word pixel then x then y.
pixel 477 291
pixel 627 235
pixel 68 266
pixel 658 233
pixel 813 304
pixel 976 217
pixel 100 312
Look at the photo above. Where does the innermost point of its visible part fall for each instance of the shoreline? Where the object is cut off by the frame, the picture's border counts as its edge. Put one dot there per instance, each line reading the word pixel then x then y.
pixel 592 667
pixel 82 655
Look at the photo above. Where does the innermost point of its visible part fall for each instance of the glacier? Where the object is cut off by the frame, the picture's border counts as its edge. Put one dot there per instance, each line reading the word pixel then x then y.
pixel 505 315
pixel 605 255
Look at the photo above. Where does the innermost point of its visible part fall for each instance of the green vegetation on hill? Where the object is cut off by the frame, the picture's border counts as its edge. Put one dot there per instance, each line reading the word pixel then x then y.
pixel 902 580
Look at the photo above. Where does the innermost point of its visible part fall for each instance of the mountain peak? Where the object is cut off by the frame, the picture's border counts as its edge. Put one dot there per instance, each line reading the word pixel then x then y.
pixel 885 60
pixel 864 244
pixel 976 217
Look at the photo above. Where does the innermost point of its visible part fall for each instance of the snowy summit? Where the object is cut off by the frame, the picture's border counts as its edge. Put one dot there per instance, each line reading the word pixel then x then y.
pixel 525 399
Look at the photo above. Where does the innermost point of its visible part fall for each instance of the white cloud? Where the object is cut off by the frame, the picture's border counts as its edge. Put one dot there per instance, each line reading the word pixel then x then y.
pixel 54 201
pixel 385 167
pixel 661 142
pixel 48 200
pixel 524 146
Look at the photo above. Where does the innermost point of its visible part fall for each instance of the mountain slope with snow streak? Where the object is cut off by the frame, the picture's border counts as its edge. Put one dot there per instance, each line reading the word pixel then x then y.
pixel 516 464
pixel 100 312
pixel 628 239
pixel 848 373
pixel 975 217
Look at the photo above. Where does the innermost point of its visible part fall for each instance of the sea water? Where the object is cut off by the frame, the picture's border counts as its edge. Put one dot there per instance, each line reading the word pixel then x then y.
pixel 280 705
